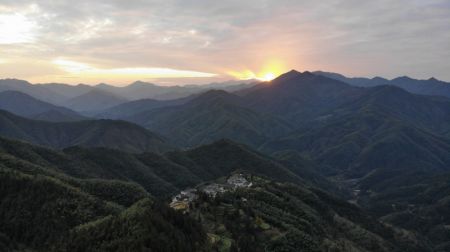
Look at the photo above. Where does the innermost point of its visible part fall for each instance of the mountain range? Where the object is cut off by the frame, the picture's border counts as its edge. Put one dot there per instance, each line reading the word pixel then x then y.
pixel 367 158
pixel 326 120
pixel 85 98
pixel 432 86
pixel 210 117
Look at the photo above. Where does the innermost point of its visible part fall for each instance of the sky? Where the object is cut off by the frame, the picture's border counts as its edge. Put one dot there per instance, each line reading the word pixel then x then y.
pixel 200 41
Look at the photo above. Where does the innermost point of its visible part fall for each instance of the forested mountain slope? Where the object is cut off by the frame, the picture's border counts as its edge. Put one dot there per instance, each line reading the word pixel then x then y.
pixel 90 133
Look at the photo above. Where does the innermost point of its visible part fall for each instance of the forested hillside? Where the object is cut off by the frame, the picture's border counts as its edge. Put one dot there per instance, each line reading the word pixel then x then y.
pixel 89 133
pixel 95 211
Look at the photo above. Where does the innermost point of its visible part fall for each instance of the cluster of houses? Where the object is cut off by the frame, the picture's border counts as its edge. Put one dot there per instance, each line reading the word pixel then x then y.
pixel 182 200
pixel 238 181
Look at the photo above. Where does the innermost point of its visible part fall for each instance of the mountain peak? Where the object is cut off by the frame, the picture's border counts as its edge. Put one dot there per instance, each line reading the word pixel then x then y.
pixel 385 94
pixel 378 78
pixel 292 75
pixel 214 94
pixel 100 85
pixel 332 75
pixel 389 88
pixel 293 71
pixel 15 82
pixel 141 84
pixel 402 78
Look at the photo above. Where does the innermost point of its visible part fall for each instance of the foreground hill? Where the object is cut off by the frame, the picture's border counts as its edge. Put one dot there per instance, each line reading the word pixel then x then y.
pixel 210 117
pixel 43 208
pixel 161 175
pixel 421 203
pixel 90 133
pixel 273 216
pixel 27 106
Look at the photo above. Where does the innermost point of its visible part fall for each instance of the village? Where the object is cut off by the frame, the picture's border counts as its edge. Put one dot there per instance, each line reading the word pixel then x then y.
pixel 182 200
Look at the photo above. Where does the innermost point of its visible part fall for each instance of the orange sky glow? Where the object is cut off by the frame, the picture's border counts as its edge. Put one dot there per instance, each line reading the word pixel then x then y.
pixel 185 42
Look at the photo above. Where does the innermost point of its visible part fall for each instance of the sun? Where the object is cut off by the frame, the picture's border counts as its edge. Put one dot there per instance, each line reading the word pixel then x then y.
pixel 16 29
pixel 267 72
pixel 267 77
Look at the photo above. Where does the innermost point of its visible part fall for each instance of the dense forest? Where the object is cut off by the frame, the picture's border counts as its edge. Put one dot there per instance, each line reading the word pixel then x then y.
pixel 45 209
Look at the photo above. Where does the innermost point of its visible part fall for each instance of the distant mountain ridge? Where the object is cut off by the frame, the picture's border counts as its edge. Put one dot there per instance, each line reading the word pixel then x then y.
pixel 144 90
pixel 95 100
pixel 40 92
pixel 128 109
pixel 430 86
pixel 27 106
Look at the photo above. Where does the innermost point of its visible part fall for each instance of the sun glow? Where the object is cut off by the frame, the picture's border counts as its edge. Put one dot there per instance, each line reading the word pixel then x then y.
pixel 270 71
pixel 268 77
pixel 16 28
pixel 248 75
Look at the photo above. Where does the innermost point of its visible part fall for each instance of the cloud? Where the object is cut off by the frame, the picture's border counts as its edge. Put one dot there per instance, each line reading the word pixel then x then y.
pixel 16 28
pixel 74 67
pixel 95 75
pixel 380 37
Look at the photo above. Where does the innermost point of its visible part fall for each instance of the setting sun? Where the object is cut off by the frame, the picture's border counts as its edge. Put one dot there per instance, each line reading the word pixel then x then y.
pixel 269 71
pixel 267 77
